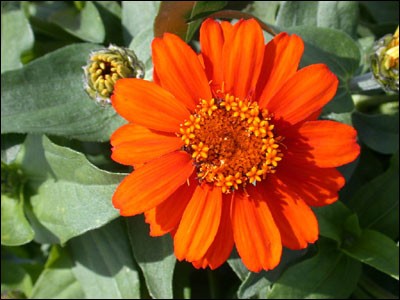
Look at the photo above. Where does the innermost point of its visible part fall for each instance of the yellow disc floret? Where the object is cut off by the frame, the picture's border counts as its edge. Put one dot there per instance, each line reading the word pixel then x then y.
pixel 232 142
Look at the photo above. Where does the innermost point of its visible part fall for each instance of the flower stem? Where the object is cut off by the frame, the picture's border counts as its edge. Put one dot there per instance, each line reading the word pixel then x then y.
pixel 213 285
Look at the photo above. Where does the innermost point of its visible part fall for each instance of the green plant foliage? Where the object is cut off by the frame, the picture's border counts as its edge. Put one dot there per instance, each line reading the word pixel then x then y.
pixel 157 264
pixel 15 41
pixel 82 191
pixel 50 98
pixel 329 274
pixel 104 265
pixel 62 237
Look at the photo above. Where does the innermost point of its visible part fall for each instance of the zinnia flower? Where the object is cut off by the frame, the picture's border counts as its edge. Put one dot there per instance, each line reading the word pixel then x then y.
pixel 227 147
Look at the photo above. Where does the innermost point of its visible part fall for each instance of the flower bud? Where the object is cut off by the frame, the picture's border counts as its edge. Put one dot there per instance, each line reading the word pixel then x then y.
pixel 385 62
pixel 105 67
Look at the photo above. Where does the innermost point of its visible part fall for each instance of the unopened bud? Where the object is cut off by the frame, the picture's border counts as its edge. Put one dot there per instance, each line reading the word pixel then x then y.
pixel 105 67
pixel 385 62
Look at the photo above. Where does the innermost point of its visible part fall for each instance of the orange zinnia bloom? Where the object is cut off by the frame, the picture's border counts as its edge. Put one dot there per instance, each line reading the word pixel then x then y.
pixel 227 147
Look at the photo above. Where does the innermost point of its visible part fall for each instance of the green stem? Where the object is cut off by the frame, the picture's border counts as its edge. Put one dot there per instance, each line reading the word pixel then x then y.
pixel 364 103
pixel 213 285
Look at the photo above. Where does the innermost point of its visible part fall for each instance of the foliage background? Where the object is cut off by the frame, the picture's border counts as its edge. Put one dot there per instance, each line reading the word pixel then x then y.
pixel 61 237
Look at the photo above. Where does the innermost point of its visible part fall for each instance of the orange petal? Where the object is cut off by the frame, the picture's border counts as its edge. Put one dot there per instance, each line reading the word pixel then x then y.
pixel 199 223
pixel 166 216
pixel 316 186
pixel 281 60
pixel 212 41
pixel 179 70
pixel 243 54
pixel 134 144
pixel 303 94
pixel 296 222
pixel 325 144
pixel 145 103
pixel 227 28
pixel 222 245
pixel 257 238
pixel 152 183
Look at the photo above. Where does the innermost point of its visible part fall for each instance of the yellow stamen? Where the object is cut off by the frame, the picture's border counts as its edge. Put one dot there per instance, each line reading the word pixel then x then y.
pixel 232 142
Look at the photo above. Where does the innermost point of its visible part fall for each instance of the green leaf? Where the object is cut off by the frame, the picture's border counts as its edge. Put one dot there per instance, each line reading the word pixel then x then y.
pixel 377 250
pixel 339 52
pixel 329 274
pixel 330 220
pixel 111 12
pixel 104 265
pixel 57 281
pixel 16 38
pixel 200 10
pixel 295 13
pixel 14 277
pixel 77 197
pixel 141 45
pixel 47 96
pixel 341 15
pixel 379 132
pixel 257 283
pixel 138 16
pixel 377 202
pixel 158 264
pixel 235 262
pixel 264 10
pixel 85 24
pixel 15 228
pixel 254 283
pixel 329 14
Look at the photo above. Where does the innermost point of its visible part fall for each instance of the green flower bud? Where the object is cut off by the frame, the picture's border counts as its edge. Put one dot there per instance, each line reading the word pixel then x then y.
pixel 385 62
pixel 105 67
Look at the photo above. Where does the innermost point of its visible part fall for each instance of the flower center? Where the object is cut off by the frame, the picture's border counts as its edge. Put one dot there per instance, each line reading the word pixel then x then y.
pixel 232 142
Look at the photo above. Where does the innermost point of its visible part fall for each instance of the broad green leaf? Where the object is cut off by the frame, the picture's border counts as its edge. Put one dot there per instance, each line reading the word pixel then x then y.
pixel 14 278
pixel 111 14
pixel 16 38
pixel 339 52
pixel 257 283
pixel 341 15
pixel 377 250
pixel 295 13
pixel 138 16
pixel 379 132
pixel 235 262
pixel 329 274
pixel 85 23
pixel 15 228
pixel 200 10
pixel 77 197
pixel 141 45
pixel 47 96
pixel 254 283
pixel 104 265
pixel 264 10
pixel 329 14
pixel 57 280
pixel 377 202
pixel 158 264
pixel 330 220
